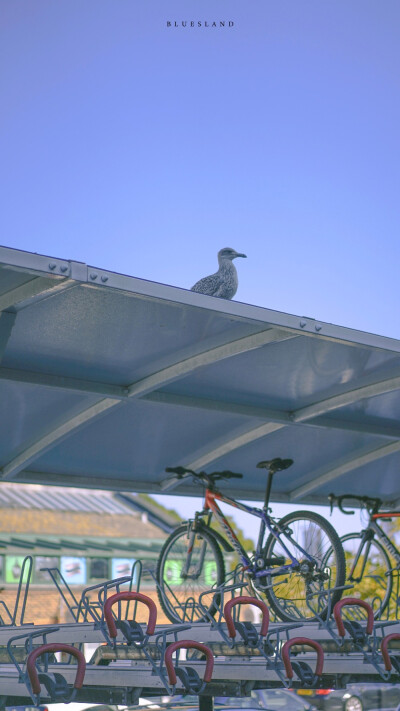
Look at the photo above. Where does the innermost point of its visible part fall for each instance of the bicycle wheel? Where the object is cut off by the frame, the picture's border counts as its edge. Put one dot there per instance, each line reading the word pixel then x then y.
pixel 374 569
pixel 303 592
pixel 179 596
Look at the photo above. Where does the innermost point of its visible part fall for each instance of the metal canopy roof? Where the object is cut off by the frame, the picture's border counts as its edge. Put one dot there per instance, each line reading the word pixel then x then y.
pixel 106 379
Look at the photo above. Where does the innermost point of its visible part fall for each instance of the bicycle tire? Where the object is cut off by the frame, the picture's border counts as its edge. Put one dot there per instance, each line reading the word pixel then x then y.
pixel 178 597
pixel 380 561
pixel 287 596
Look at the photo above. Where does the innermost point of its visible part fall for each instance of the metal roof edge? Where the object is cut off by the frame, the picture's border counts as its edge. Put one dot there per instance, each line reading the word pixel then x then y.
pixel 94 277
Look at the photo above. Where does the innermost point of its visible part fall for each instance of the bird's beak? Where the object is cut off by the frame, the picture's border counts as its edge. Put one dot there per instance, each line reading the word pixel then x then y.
pixel 240 255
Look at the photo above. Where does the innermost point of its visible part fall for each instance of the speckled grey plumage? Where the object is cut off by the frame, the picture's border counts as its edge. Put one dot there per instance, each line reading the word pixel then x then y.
pixel 224 282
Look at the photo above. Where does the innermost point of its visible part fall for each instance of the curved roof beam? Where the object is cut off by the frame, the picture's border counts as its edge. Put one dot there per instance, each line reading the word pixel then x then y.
pixel 24 295
pixel 349 397
pixel 214 355
pixel 7 320
pixel 48 440
pixel 158 379
pixel 33 290
pixel 119 392
pixel 232 443
pixel 61 382
pixel 307 413
pixel 301 416
pixel 232 408
pixel 183 368
pixel 166 375
pixel 28 476
pixel 264 413
pixel 343 466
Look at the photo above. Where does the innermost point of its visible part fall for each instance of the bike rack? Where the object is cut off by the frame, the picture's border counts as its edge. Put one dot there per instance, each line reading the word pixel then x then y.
pixel 28 637
pixel 103 588
pixel 358 634
pixel 64 591
pixel 26 571
pixel 188 676
pixel 88 608
pixel 365 640
pixel 84 609
pixel 188 608
pixel 133 632
pixel 305 674
pixel 390 660
pixel 392 610
pixel 8 613
pixel 219 593
pixel 247 654
pixel 362 638
pixel 395 595
pixel 327 594
pixel 137 572
pixel 266 643
pixel 131 629
pixel 56 685
pixel 191 611
pixel 248 632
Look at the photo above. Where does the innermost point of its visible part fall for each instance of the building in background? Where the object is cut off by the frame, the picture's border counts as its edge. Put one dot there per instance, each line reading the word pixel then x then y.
pixel 89 536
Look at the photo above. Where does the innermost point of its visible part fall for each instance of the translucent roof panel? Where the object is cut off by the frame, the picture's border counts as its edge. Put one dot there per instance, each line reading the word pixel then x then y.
pixel 107 379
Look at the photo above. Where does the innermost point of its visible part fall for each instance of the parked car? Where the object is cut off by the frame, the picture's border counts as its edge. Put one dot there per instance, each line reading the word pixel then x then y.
pixel 265 699
pixel 270 699
pixel 355 697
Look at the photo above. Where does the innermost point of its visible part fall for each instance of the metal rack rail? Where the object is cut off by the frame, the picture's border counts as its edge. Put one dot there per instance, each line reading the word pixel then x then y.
pixel 133 659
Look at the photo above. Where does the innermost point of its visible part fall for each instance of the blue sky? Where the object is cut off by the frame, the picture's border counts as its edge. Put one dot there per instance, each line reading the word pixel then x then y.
pixel 145 149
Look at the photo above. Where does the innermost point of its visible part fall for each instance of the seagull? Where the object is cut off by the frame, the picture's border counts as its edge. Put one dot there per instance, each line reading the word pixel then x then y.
pixel 224 282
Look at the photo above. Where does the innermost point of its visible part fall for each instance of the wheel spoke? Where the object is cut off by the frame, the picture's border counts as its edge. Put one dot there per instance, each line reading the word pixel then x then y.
pixel 180 593
pixel 372 578
pixel 303 592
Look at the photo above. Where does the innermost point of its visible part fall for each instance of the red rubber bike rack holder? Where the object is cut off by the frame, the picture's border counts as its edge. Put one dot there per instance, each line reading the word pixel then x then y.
pixel 310 643
pixel 246 600
pixel 384 649
pixel 347 601
pixel 55 647
pixel 112 630
pixel 188 644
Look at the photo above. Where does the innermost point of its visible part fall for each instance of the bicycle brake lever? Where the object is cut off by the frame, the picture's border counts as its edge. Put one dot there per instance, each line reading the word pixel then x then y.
pixel 331 499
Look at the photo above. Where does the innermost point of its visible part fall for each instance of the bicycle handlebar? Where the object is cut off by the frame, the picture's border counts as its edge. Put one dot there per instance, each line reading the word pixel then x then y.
pixel 180 471
pixel 371 504
pixel 208 479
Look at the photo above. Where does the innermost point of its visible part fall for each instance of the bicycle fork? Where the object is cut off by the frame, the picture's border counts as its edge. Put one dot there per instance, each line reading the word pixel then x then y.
pixel 366 539
pixel 192 532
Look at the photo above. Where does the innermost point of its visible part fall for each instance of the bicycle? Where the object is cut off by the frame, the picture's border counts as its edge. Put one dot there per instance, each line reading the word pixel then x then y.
pixel 369 568
pixel 300 564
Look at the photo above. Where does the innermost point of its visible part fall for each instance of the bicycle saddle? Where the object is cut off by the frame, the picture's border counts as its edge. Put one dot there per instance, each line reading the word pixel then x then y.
pixel 275 465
